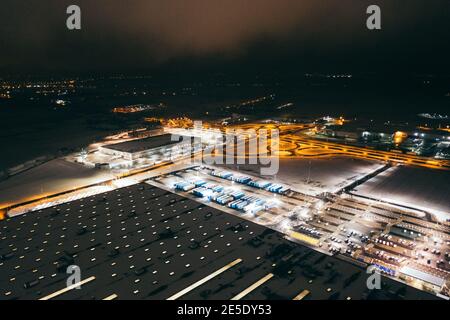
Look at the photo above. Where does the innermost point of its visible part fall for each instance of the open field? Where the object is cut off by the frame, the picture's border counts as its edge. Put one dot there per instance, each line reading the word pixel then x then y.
pixel 50 178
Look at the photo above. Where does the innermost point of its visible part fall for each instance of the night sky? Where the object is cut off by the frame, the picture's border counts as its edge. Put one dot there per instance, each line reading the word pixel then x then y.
pixel 303 35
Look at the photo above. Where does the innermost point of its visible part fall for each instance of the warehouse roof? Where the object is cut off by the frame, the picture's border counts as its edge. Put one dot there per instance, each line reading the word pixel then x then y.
pixel 143 242
pixel 146 143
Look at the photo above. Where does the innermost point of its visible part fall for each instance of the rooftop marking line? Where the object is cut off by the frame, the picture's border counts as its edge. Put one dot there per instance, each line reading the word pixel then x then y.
pixel 301 295
pixel 204 280
pixel 71 287
pixel 253 287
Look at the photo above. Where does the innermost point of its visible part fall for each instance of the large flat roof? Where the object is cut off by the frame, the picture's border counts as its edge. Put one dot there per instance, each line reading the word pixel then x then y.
pixel 415 273
pixel 143 242
pixel 143 144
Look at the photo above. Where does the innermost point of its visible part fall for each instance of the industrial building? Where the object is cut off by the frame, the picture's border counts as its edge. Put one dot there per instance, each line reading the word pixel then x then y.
pixel 143 242
pixel 406 138
pixel 354 131
pixel 154 149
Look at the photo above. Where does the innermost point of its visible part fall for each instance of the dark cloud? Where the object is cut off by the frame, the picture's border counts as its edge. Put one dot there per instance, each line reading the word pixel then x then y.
pixel 144 33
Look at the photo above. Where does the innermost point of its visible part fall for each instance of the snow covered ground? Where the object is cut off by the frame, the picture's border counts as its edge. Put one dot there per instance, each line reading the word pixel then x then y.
pixel 314 176
pixel 421 188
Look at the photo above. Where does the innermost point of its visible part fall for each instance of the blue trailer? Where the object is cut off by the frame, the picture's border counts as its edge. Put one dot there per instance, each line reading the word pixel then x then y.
pixel 241 205
pixel 224 199
pixel 233 204
pixel 264 184
pixel 227 175
pixel 237 194
pixel 199 183
pixel 183 185
pixel 200 192
pixel 252 183
pixel 242 179
pixel 180 185
pixel 260 202
pixel 259 184
pixel 274 188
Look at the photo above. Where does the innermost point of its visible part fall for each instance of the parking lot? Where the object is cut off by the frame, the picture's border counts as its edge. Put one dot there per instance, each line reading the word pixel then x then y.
pixel 394 239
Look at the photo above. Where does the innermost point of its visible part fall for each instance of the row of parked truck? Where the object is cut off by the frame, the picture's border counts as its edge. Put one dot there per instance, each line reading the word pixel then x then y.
pixel 235 199
pixel 260 184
